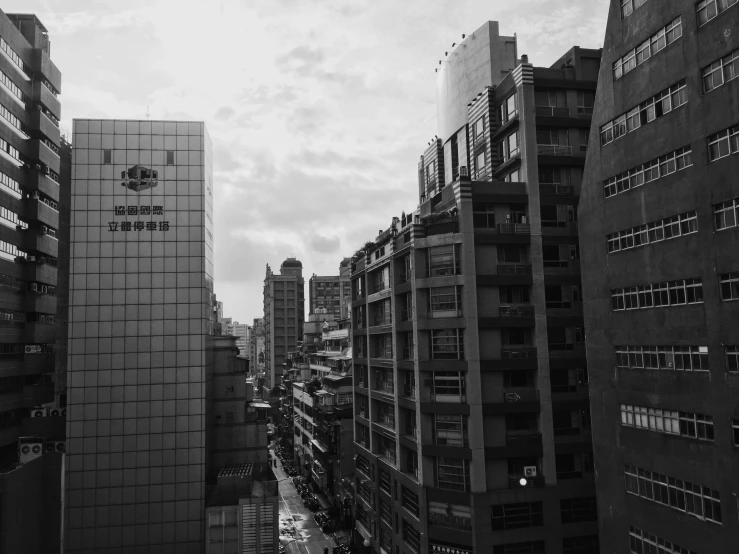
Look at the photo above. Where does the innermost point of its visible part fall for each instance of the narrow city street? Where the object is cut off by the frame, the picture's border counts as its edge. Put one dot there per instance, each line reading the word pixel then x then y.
pixel 298 530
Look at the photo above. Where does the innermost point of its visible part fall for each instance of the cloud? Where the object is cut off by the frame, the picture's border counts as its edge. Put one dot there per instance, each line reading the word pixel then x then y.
pixel 224 113
pixel 324 244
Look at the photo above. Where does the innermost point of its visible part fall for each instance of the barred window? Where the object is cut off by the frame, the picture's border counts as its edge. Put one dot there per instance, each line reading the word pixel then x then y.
pixel 732 358
pixel 411 536
pixel 448 386
pixel 696 500
pixel 657 42
pixel 517 516
pixel 656 106
pixel 409 500
pixel 385 482
pixel 726 214
pixel 447 344
pixel 655 231
pixel 706 10
pixel 669 293
pixel 670 422
pixel 386 512
pixel 670 358
pixel 453 474
pixel 723 143
pixel 641 542
pixel 576 510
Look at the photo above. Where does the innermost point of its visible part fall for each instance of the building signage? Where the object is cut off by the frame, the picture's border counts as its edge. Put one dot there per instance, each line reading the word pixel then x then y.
pixel 443 549
pixel 139 178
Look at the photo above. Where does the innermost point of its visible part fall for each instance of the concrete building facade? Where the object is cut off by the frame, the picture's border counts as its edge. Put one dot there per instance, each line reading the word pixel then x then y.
pixel 472 423
pixel 141 330
pixel 658 231
pixel 328 291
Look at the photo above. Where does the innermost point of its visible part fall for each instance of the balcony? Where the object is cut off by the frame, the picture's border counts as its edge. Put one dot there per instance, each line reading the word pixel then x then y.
pixel 552 111
pixel 41 94
pixel 553 150
pixel 40 181
pixel 34 241
pixel 518 352
pixel 514 228
pixel 514 269
pixel 517 311
pixel 410 391
pixel 36 210
pixel 40 151
pixel 382 319
pixel 386 387
pixel 45 124
pixel 556 189
pixel 407 353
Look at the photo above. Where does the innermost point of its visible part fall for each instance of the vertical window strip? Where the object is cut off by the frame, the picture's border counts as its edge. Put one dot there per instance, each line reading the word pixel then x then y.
pixel 647 172
pixel 658 41
pixel 655 231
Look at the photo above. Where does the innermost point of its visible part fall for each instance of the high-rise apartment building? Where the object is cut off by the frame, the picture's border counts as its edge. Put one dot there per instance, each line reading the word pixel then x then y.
pixel 256 348
pixel 328 291
pixel 240 332
pixel 140 336
pixel 658 227
pixel 31 190
pixel 472 423
pixel 284 312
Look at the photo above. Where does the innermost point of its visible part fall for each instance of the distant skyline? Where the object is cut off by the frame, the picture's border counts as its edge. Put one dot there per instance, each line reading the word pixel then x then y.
pixel 318 109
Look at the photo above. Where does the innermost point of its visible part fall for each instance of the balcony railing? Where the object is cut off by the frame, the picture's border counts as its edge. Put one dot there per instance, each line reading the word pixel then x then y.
pixel 552 111
pixel 514 269
pixel 383 353
pixel 516 311
pixel 514 228
pixel 407 353
pixel 405 275
pixel 409 391
pixel 387 387
pixel 521 395
pixel 553 150
pixel 517 352
pixel 556 189
pixel 406 314
pixel 383 319
pixel 387 421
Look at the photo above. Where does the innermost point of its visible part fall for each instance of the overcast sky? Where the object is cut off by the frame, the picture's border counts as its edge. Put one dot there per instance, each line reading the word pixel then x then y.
pixel 318 109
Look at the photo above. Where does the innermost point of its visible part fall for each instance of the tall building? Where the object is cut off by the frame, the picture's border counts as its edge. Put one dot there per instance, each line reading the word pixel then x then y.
pixel 471 404
pixel 328 291
pixel 658 227
pixel 240 332
pixel 256 349
pixel 32 187
pixel 284 311
pixel 141 326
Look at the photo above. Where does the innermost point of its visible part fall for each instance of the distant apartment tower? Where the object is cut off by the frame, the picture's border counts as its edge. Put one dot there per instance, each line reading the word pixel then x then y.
pixel 658 230
pixel 328 291
pixel 284 312
pixel 32 187
pixel 141 326
pixel 240 332
pixel 471 403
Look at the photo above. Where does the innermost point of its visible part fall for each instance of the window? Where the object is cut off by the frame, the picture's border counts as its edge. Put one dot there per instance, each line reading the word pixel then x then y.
pixel 447 344
pixel 732 358
pixel 483 215
pixel 448 386
pixel 641 542
pixel 628 6
pixel 480 165
pixel 729 286
pixel 386 512
pixel 735 431
pixel 509 147
pixel 452 516
pixel 669 293
pixel 585 101
pixel 411 536
pixel 666 358
pixel 453 474
pixel 536 547
pixel 522 422
pixel 444 260
pixel 655 231
pixel 450 430
pixel 658 105
pixel 576 510
pixel 656 42
pixel 107 157
pixel 445 301
pixel 560 215
pixel 508 109
pixel 581 545
pixel 723 143
pixel 409 501
pixel 517 516
pixel 721 71
pixel 479 130
pixel 513 177
pixel 726 214
pixel 514 295
pixel 696 500
pixel 685 424
pixel 170 157
pixel 706 10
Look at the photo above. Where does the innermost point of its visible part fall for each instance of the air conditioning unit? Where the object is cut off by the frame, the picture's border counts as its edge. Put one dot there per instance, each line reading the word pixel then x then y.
pixel 34 287
pixel 48 446
pixel 29 448
pixel 60 446
pixel 64 412
pixel 35 195
pixel 44 230
pixel 32 349
pixel 20 228
pixel 44 289
pixel 31 259
pixel 529 471
pixel 38 412
pixel 55 412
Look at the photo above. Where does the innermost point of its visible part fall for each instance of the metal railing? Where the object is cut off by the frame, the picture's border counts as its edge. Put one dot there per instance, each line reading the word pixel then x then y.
pixel 556 189
pixel 514 228
pixel 516 311
pixel 516 352
pixel 386 387
pixel 552 111
pixel 514 269
pixel 553 150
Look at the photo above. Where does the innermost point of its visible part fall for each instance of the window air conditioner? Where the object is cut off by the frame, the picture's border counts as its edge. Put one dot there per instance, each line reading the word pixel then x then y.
pixel 529 471
pixel 60 446
pixel 34 287
pixel 55 412
pixel 29 448
pixel 38 412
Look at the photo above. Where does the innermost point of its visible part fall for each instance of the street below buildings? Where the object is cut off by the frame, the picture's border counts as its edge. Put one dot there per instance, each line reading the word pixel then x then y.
pixel 299 533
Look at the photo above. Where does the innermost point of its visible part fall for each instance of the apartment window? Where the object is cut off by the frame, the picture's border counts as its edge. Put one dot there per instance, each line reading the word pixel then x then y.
pixel 577 510
pixel 585 101
pixel 508 109
pixel 386 539
pixel 720 72
pixel 536 547
pixel 729 284
pixel 480 164
pixel 509 147
pixel 581 545
pixel 668 293
pixel 514 295
pixel 666 358
pixel 735 431
pixel 628 6
pixel 386 512
pixel 483 215
pixel 708 9
pixel 726 214
pixel 732 358
pixel 522 422
pixel 552 98
pixel 655 231
pixel 448 386
pixel 411 536
pixel 409 501
pixel 516 337
pixel 447 344
pixel 669 422
pixel 649 171
pixel 363 465
pixel 511 254
pixel 453 474
pixel 517 516
pixel 558 216
pixel 655 43
pixel 696 500
pixel 12 54
pixel 430 177
pixel 641 542
pixel 170 157
pixel 723 143
pixel 513 177
pixel 444 260
pixel 450 430
pixel 12 152
pixel 451 516
pixel 479 128
pixel 445 301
